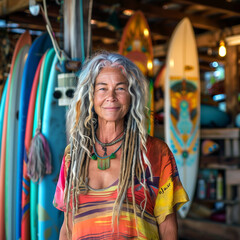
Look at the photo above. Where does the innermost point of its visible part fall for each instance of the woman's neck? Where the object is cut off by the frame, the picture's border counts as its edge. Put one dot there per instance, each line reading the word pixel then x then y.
pixel 107 131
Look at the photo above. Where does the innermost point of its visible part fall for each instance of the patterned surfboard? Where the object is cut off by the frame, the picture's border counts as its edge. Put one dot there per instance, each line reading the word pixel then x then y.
pixel 136 44
pixel 182 105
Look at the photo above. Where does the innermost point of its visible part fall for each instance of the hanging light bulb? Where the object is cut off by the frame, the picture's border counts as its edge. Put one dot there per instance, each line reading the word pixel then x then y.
pixel 146 32
pixel 149 65
pixel 222 49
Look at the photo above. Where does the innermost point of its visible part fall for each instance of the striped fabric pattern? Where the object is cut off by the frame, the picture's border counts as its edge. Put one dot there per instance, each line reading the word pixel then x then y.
pixel 93 219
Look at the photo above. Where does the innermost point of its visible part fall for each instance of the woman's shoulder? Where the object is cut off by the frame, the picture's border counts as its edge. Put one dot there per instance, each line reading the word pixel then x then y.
pixel 154 143
pixel 158 154
pixel 156 149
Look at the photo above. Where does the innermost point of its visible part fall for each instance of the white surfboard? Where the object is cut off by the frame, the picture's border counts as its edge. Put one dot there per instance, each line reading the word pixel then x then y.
pixel 182 106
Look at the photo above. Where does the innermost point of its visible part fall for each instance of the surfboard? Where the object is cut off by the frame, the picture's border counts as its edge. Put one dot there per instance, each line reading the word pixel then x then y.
pixel 53 128
pixel 40 99
pixel 136 45
pixel 11 144
pixel 2 107
pixel 182 106
pixel 213 117
pixel 23 40
pixel 25 224
pixel 39 46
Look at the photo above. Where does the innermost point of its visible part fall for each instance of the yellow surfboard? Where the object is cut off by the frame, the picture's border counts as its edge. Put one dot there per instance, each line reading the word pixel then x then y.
pixel 136 45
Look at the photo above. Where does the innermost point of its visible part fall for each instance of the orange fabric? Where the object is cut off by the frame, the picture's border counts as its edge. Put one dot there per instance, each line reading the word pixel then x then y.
pixel 94 216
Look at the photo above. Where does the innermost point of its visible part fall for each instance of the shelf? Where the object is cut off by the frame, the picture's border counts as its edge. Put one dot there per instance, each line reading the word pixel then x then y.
pixel 219 162
pixel 220 133
pixel 190 229
pixel 225 201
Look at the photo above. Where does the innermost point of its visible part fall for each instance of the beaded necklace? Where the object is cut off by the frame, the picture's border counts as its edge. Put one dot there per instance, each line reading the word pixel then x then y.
pixel 104 162
pixel 105 145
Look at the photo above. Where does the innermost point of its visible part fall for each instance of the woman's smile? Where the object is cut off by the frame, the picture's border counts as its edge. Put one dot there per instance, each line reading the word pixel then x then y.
pixel 111 108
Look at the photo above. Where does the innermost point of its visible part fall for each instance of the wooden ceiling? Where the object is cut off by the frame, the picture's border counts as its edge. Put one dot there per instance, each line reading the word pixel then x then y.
pixel 211 20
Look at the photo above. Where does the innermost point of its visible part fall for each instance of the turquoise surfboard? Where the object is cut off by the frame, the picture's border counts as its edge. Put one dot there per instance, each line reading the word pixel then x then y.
pixel 53 128
pixel 41 93
pixel 11 144
pixel 213 117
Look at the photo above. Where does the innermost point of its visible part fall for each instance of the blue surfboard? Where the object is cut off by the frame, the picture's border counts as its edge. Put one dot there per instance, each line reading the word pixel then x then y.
pixel 53 128
pixel 39 46
pixel 11 144
pixel 38 114
pixel 2 107
pixel 213 117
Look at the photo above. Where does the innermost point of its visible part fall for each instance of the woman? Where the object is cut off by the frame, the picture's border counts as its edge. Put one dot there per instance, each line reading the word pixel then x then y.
pixel 115 181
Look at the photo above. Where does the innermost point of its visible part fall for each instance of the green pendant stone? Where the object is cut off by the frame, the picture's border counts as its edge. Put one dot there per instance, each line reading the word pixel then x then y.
pixel 100 164
pixel 107 163
pixel 103 164
pixel 94 157
pixel 112 156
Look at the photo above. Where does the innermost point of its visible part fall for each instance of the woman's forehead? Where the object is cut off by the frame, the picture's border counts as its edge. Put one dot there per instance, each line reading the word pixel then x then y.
pixel 109 72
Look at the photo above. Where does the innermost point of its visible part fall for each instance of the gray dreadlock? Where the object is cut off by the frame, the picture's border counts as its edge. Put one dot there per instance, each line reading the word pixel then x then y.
pixel 81 122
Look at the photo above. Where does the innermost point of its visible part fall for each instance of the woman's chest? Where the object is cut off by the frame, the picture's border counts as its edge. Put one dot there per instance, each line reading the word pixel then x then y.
pixel 101 179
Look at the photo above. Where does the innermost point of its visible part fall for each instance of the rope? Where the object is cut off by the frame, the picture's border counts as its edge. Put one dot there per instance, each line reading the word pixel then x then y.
pixel 82 31
pixel 89 27
pixel 60 53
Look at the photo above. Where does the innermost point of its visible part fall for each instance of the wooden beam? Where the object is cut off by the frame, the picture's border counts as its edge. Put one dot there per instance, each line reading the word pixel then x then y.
pixel 231 8
pixel 10 6
pixel 34 22
pixel 99 45
pixel 209 39
pixel 3 5
pixel 206 68
pixel 232 81
pixel 157 11
pixel 161 51
pixel 196 21
pixel 104 33
pixel 207 58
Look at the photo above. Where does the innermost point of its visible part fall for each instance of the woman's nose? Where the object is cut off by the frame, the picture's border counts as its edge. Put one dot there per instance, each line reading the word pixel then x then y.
pixel 111 95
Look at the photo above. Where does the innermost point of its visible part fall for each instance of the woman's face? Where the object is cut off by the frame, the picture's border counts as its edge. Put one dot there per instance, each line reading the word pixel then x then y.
pixel 111 96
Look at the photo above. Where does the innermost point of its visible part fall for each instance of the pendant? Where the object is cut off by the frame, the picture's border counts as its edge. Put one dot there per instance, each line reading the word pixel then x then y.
pixel 103 163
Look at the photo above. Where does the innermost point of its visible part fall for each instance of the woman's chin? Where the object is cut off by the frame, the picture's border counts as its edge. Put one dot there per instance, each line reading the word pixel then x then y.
pixel 113 119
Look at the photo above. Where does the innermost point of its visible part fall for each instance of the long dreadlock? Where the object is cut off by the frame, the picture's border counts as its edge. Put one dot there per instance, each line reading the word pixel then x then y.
pixel 81 122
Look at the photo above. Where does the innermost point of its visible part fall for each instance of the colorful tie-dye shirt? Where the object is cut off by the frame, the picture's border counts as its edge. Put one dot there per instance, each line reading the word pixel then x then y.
pixel 93 219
